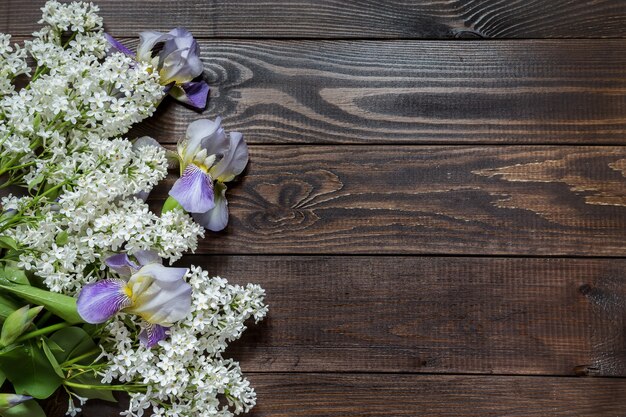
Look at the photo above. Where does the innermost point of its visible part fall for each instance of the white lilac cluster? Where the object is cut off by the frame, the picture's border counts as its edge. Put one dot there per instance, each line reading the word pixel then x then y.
pixel 187 375
pixel 82 201
pixel 64 126
pixel 12 64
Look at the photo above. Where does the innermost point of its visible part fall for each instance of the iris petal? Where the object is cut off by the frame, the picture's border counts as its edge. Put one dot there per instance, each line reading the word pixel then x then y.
pixel 161 273
pixel 145 257
pixel 100 301
pixel 147 41
pixel 179 60
pixel 204 134
pixel 121 264
pixel 152 334
pixel 234 161
pixel 215 219
pixel 163 302
pixel 118 45
pixel 192 93
pixel 194 190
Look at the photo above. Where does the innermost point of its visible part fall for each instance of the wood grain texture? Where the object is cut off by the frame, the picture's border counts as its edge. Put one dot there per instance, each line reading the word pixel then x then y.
pixel 510 200
pixel 323 395
pixel 349 19
pixel 410 92
pixel 314 395
pixel 432 315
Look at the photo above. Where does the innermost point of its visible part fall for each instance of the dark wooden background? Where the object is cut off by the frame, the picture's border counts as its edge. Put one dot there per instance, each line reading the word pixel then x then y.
pixel 435 203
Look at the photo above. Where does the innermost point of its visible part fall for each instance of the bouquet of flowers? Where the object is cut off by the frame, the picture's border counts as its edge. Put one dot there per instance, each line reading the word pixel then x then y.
pixel 88 301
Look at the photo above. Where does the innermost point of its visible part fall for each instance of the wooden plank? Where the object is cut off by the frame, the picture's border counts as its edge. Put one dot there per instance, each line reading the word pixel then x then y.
pixel 315 395
pixel 411 92
pixel 432 315
pixel 350 19
pixel 507 200
pixel 323 395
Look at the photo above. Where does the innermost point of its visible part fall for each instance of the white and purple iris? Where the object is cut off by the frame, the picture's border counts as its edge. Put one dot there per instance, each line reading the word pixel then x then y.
pixel 156 293
pixel 208 159
pixel 177 62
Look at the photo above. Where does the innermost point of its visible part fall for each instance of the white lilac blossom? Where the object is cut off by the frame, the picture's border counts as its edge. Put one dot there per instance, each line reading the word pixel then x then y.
pixel 208 159
pixel 187 375
pixel 177 62
pixel 146 288
pixel 12 64
pixel 77 204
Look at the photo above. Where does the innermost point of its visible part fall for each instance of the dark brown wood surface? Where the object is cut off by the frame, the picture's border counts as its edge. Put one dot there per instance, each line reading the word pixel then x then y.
pixel 513 200
pixel 433 314
pixel 315 395
pixel 367 92
pixel 407 273
pixel 350 18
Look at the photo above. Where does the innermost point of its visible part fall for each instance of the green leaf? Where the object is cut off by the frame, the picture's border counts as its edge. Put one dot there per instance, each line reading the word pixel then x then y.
pixel 170 204
pixel 92 394
pixel 7 306
pixel 14 275
pixel 62 305
pixel 2 378
pixel 27 409
pixel 29 370
pixel 74 342
pixel 8 243
pixel 35 181
pixel 52 359
pixel 62 238
pixel 17 323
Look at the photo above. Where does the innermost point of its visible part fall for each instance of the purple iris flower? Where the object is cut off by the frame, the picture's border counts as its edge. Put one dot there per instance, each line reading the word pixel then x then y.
pixel 208 159
pixel 177 62
pixel 146 288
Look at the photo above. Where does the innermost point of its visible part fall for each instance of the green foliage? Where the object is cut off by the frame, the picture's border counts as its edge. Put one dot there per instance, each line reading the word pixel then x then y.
pixel 51 358
pixel 13 275
pixel 73 342
pixel 92 394
pixel 17 323
pixel 29 370
pixel 61 305
pixel 27 409
pixel 62 238
pixel 170 204
pixel 8 243
pixel 7 306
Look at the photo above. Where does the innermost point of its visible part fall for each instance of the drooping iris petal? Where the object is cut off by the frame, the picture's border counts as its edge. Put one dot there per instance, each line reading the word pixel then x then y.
pixel 194 190
pixel 117 45
pixel 215 219
pixel 101 300
pixel 234 161
pixel 152 334
pixel 194 93
pixel 147 41
pixel 121 264
pixel 145 257
pixel 203 134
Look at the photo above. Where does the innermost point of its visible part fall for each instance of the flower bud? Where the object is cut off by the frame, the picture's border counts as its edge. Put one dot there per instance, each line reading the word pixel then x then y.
pixel 16 323
pixel 11 400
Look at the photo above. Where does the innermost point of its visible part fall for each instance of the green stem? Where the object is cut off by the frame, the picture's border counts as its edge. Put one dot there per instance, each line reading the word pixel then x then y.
pixel 12 168
pixel 79 358
pixel 43 331
pixel 127 388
